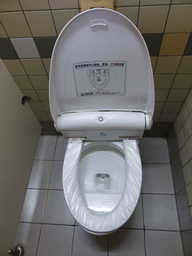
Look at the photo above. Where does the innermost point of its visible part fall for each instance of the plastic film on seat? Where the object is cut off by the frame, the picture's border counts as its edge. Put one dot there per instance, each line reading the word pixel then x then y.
pixel 87 218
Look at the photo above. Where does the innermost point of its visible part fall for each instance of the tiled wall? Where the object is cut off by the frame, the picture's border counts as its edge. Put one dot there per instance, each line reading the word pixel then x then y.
pixel 183 129
pixel 28 30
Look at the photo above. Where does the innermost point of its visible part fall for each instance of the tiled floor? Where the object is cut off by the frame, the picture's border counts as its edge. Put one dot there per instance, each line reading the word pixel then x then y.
pixel 47 227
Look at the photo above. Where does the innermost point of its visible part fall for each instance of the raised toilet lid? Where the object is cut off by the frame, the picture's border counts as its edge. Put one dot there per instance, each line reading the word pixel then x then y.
pixel 100 62
pixel 87 218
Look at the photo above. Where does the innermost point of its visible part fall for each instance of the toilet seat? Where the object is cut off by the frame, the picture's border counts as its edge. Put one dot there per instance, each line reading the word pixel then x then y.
pixel 88 219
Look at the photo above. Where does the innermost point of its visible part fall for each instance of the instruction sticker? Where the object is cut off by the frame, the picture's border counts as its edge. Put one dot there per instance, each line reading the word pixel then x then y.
pixel 99 78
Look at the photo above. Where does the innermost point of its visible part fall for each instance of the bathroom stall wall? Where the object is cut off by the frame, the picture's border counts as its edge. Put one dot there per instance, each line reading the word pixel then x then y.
pixel 19 136
pixel 180 146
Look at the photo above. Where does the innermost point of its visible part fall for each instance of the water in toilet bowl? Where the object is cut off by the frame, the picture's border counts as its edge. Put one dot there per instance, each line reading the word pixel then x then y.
pixel 102 176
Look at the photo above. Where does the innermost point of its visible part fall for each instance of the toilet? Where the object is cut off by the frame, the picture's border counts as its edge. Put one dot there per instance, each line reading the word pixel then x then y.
pixel 101 94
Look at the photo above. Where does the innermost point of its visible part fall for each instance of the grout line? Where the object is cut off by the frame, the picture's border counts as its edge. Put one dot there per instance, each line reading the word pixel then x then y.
pixel 73 238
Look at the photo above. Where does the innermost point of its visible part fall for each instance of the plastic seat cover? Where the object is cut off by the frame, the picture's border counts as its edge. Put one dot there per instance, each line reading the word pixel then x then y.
pixel 87 218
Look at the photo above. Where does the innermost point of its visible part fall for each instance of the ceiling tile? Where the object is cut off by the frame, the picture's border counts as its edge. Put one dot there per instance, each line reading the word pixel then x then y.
pixel 25 48
pixel 178 95
pixel 41 23
pixel 130 12
pixel 34 5
pixel 23 82
pixel 180 19
pixel 174 44
pixel 61 17
pixel 167 64
pixel 45 45
pixel 33 67
pixel 11 5
pixel 183 81
pixel 161 95
pixel 126 2
pixel 186 65
pixel 15 67
pixel 39 82
pixel 152 18
pixel 15 24
pixel 153 42
pixel 2 31
pixel 163 81
pixel 60 4
pixel 154 2
pixel 7 50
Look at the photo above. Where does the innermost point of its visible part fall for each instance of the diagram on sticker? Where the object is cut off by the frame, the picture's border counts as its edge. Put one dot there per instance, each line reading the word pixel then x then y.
pixel 100 78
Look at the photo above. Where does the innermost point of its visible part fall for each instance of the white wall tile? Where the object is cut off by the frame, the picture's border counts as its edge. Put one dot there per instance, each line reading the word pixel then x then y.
pixel 25 48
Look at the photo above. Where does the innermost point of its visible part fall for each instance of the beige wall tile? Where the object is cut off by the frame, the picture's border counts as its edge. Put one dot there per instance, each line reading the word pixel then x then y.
pixel 188 103
pixel 174 44
pixel 39 82
pixel 163 81
pixel 183 81
pixel 167 64
pixel 2 31
pixel 30 93
pixel 186 65
pixel 61 17
pixel 23 82
pixel 161 95
pixel 172 107
pixel 126 2
pixel 153 62
pixel 33 67
pixel 46 63
pixel 42 116
pixel 178 95
pixel 167 117
pixel 180 19
pixel 154 2
pixel 11 5
pixel 159 106
pixel 43 95
pixel 41 23
pixel 15 67
pixel 37 106
pixel 152 18
pixel 130 12
pixel 60 4
pixel 34 5
pixel 15 24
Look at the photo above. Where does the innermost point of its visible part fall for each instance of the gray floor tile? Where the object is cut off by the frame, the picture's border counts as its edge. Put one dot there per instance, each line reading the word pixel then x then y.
pixel 86 244
pixel 56 175
pixel 154 150
pixel 56 210
pixel 55 240
pixel 136 219
pixel 34 205
pixel 164 243
pixel 46 148
pixel 157 178
pixel 40 175
pixel 28 236
pixel 127 242
pixel 60 148
pixel 160 212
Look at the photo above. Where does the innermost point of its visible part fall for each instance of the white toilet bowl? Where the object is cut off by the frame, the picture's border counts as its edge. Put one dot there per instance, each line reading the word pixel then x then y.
pixel 102 183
